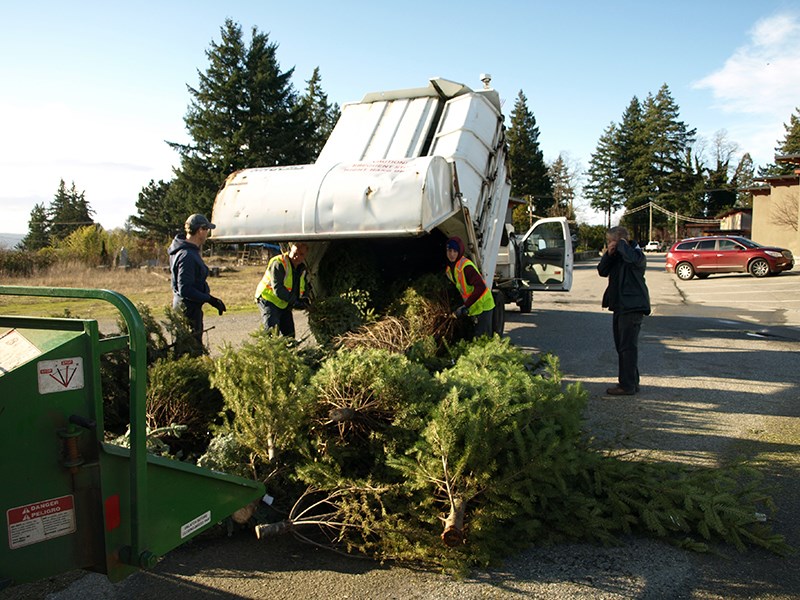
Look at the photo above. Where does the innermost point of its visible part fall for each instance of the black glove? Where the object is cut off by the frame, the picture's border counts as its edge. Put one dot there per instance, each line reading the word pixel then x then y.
pixel 218 304
pixel 461 311
pixel 302 303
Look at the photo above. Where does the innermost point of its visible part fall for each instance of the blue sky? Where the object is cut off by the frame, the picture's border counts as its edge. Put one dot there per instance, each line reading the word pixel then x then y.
pixel 89 91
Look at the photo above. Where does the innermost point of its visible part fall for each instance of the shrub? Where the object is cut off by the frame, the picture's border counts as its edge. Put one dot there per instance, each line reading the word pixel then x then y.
pixel 21 263
pixel 179 393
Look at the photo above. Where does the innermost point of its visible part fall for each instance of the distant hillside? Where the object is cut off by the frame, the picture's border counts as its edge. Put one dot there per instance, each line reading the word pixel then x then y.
pixel 9 240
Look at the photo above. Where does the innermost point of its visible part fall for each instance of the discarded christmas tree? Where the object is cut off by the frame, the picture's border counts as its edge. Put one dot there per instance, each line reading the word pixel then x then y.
pixel 264 386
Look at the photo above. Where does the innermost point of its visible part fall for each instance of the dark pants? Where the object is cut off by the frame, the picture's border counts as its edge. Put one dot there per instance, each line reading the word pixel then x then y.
pixel 483 324
pixel 193 311
pixel 272 316
pixel 626 341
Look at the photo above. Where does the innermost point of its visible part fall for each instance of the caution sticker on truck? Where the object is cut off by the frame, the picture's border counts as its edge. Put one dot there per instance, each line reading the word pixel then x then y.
pixel 40 521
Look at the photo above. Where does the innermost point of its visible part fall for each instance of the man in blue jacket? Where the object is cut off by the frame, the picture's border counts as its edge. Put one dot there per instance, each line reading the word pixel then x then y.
pixel 628 298
pixel 189 273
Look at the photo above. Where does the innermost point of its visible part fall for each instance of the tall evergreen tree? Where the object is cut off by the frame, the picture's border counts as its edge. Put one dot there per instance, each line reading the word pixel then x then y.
pixel 647 157
pixel 156 217
pixel 319 113
pixel 789 145
pixel 632 155
pixel 563 178
pixel 528 170
pixel 244 113
pixel 603 186
pixel 38 235
pixel 68 211
pixel 668 139
pixel 742 179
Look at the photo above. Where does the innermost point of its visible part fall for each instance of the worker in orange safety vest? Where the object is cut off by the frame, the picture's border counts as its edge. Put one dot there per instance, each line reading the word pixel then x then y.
pixel 477 297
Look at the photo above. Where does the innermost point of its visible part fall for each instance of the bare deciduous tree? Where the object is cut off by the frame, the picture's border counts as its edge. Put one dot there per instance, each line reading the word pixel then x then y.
pixel 784 212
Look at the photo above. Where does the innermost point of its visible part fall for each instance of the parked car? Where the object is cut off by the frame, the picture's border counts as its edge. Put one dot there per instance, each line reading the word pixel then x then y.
pixel 703 256
pixel 653 246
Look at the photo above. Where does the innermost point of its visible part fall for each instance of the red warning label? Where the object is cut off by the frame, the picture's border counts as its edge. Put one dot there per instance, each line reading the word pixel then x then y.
pixel 40 521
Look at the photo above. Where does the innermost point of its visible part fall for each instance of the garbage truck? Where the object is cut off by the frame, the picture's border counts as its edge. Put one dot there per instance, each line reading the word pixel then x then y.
pixel 402 171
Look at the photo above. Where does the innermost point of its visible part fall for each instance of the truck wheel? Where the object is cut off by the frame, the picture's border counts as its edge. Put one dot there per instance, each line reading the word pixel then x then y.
pixel 526 302
pixel 499 313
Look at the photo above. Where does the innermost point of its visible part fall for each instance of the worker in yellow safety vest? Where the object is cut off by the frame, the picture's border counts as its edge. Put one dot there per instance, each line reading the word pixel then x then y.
pixel 477 298
pixel 282 288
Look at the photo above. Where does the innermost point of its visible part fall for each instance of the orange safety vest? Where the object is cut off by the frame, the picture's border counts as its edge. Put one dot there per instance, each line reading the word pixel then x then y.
pixel 485 302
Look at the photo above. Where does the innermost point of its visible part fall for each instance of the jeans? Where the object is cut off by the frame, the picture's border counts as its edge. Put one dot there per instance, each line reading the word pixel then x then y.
pixel 194 314
pixel 272 316
pixel 626 341
pixel 483 324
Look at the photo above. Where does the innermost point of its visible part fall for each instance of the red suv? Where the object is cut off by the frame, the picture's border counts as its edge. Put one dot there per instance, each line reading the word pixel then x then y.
pixel 702 256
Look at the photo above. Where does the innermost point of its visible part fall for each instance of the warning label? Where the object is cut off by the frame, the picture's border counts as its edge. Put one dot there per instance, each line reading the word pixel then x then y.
pixel 40 521
pixel 15 349
pixel 60 375
pixel 195 524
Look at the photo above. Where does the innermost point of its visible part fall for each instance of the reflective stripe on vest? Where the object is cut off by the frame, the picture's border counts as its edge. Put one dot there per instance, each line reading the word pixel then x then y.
pixel 265 288
pixel 482 304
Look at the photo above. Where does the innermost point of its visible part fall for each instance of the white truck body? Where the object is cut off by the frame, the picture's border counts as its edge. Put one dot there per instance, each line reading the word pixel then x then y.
pixel 404 163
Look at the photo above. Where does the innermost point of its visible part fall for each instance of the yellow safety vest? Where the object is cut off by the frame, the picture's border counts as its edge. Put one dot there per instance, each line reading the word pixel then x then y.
pixel 265 288
pixel 482 304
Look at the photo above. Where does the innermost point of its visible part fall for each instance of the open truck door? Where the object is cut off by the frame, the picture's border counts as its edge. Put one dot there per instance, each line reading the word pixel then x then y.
pixel 545 256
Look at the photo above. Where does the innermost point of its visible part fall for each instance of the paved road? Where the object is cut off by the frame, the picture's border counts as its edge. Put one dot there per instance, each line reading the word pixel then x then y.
pixel 719 379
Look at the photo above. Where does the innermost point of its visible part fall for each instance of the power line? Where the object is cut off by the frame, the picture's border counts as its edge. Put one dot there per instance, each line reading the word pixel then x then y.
pixel 670 214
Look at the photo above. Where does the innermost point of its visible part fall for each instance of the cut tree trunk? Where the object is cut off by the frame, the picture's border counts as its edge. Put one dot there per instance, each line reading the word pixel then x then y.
pixel 453 533
pixel 273 529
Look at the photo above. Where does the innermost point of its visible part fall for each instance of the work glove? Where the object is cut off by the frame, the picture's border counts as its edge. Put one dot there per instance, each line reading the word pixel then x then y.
pixel 302 303
pixel 461 311
pixel 218 304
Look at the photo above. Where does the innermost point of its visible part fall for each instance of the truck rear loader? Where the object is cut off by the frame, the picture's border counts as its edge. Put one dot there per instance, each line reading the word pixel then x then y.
pixel 404 170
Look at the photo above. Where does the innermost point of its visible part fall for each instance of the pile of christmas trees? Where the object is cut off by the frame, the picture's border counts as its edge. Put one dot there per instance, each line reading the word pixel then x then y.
pixel 451 454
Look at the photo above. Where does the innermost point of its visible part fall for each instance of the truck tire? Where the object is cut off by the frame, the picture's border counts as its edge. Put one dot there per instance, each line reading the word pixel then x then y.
pixel 525 303
pixel 499 313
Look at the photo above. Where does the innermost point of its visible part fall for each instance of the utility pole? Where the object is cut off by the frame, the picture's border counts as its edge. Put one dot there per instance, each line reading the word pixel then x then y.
pixel 676 225
pixel 651 222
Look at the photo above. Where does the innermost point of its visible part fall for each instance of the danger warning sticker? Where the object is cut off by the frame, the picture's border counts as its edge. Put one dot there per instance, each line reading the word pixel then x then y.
pixel 40 521
pixel 60 375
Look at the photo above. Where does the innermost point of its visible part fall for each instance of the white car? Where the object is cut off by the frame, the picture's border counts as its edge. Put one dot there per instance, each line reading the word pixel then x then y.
pixel 653 246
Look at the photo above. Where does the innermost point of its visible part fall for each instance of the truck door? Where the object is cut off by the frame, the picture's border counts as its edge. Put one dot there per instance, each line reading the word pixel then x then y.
pixel 545 256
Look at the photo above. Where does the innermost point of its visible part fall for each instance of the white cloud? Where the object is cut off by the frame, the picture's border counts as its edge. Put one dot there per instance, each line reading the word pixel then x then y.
pixel 759 85
pixel 762 77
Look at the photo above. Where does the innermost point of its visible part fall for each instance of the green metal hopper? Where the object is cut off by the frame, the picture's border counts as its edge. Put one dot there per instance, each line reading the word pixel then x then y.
pixel 69 500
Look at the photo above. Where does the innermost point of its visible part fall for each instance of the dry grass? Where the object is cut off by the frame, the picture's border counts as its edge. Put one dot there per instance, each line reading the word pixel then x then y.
pixel 151 286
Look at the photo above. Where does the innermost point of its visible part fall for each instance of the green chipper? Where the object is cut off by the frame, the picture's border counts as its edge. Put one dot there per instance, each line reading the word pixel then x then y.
pixel 68 499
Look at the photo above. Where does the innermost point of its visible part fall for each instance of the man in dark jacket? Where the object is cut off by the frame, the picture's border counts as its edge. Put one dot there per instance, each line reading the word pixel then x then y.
pixel 189 273
pixel 627 297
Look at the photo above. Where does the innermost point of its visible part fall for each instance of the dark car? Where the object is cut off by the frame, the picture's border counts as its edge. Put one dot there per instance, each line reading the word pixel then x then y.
pixel 702 256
